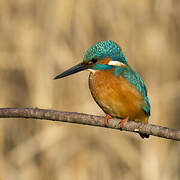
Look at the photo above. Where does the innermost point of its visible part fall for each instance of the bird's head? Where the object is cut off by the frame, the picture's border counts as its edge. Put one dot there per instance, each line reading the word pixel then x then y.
pixel 100 56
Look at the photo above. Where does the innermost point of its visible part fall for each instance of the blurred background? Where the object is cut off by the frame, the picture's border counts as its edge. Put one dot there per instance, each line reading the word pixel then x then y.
pixel 40 39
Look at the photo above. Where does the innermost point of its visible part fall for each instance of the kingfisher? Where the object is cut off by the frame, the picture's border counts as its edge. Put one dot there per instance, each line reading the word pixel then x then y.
pixel 117 88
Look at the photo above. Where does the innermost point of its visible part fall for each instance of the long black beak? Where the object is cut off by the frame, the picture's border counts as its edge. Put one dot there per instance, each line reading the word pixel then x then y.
pixel 77 68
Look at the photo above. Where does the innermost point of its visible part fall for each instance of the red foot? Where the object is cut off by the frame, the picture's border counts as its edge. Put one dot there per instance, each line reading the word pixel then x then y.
pixel 107 119
pixel 122 122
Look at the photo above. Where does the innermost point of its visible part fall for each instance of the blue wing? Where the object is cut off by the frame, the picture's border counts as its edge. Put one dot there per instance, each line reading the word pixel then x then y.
pixel 134 78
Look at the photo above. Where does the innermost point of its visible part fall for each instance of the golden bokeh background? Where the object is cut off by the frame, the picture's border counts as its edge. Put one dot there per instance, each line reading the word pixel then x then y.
pixel 40 39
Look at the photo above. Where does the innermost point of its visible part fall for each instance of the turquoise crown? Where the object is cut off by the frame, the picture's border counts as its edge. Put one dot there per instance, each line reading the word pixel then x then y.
pixel 105 49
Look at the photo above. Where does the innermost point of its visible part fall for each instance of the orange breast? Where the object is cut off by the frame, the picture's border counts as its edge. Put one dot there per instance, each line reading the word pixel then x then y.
pixel 116 96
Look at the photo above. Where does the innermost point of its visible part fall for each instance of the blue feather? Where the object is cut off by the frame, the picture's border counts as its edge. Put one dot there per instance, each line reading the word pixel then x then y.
pixel 105 49
pixel 101 67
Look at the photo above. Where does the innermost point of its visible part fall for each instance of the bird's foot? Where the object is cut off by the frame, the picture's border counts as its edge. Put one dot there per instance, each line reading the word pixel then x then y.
pixel 107 119
pixel 123 121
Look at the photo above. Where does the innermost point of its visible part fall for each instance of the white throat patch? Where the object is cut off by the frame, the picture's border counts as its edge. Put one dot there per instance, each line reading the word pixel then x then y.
pixel 116 63
pixel 92 70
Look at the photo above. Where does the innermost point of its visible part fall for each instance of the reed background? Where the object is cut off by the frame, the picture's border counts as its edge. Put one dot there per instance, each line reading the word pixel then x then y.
pixel 38 40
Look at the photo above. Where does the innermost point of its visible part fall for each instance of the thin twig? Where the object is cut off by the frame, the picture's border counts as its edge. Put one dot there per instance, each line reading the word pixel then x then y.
pixel 80 118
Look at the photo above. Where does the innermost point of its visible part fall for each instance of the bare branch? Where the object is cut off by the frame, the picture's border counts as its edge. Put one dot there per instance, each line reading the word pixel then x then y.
pixel 80 118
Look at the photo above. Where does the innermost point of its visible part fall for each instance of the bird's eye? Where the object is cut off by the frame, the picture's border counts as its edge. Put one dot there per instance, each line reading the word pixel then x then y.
pixel 93 61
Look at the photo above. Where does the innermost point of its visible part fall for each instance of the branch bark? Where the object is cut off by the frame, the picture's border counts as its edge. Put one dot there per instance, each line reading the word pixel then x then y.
pixel 80 118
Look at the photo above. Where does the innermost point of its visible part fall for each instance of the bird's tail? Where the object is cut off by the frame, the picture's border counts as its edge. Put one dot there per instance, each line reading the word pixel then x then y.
pixel 145 121
pixel 144 135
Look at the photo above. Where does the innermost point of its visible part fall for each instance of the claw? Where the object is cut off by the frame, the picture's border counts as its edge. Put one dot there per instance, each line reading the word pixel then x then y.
pixel 107 119
pixel 123 121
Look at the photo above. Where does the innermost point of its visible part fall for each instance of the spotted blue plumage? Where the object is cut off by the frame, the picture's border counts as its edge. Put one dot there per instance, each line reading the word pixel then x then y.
pixel 103 50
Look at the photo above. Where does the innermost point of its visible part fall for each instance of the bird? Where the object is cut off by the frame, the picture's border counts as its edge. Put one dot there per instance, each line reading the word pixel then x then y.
pixel 115 86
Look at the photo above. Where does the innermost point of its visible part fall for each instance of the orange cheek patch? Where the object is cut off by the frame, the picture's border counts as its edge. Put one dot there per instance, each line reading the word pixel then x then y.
pixel 104 61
